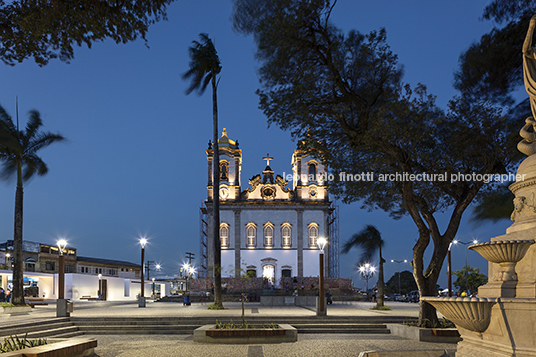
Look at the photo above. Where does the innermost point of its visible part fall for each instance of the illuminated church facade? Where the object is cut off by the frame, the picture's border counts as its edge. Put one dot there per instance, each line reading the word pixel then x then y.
pixel 269 229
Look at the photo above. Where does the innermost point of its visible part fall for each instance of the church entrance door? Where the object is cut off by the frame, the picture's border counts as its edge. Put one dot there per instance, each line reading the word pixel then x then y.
pixel 268 272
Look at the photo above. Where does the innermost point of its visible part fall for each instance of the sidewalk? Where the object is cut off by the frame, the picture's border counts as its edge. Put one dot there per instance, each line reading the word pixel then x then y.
pixel 182 345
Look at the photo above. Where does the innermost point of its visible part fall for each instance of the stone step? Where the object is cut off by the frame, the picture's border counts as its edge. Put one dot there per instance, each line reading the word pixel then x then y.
pixel 35 328
pixel 138 330
pixel 52 332
pixel 7 328
pixel 345 330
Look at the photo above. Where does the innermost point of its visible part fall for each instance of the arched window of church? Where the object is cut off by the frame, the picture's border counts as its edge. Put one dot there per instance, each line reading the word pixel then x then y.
pixel 224 171
pixel 268 235
pixel 313 234
pixel 312 172
pixel 224 235
pixel 251 234
pixel 286 234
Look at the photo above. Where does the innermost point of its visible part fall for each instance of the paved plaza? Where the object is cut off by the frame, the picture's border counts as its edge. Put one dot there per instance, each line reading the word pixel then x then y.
pixel 183 345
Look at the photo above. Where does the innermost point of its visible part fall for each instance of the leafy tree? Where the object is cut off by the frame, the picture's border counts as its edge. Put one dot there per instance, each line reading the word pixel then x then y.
pixel 469 279
pixel 18 154
pixel 497 206
pixel 344 94
pixel 370 241
pixel 47 29
pixel 204 68
pixel 407 283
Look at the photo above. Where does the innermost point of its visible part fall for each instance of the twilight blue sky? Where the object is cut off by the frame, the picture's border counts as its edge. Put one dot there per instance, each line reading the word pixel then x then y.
pixel 135 162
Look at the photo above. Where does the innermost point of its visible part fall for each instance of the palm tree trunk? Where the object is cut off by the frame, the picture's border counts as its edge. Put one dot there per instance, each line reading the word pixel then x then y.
pixel 218 301
pixel 381 283
pixel 18 266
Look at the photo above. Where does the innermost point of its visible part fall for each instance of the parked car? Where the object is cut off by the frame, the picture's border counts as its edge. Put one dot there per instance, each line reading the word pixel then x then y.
pixel 396 297
pixel 413 296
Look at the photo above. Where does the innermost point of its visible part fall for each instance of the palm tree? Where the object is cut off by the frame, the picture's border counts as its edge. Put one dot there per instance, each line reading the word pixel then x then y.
pixel 369 239
pixel 18 153
pixel 204 67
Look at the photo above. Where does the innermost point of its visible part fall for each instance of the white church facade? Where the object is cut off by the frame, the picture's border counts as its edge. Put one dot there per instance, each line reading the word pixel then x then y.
pixel 269 229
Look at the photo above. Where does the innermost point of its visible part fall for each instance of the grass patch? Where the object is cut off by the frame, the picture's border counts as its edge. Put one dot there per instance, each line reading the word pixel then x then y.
pixel 14 343
pixel 7 304
pixel 231 325
pixel 441 323
pixel 215 307
pixel 381 307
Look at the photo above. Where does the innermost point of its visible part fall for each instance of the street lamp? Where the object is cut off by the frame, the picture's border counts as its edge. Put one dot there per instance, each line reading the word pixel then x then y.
pixel 321 310
pixel 367 271
pixel 449 271
pixel 99 293
pixel 399 261
pixel 61 302
pixel 8 261
pixel 455 241
pixel 141 300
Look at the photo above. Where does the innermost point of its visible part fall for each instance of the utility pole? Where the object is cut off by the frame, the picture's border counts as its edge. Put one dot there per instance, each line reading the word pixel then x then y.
pixel 190 256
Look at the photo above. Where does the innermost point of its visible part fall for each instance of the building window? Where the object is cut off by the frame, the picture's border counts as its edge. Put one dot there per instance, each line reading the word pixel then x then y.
pixel 286 235
pixel 269 235
pixel 224 235
pixel 286 272
pixel 50 266
pixel 312 172
pixel 251 271
pixel 224 171
pixel 313 234
pixel 251 234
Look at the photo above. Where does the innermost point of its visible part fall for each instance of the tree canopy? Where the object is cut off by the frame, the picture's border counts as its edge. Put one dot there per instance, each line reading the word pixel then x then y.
pixel 47 29
pixel 407 283
pixel 343 95
pixel 491 67
pixel 469 279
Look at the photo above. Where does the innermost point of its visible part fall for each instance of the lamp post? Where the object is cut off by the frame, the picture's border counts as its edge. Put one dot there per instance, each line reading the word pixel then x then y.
pixel 455 241
pixel 61 302
pixel 399 261
pixel 321 310
pixel 8 261
pixel 141 300
pixel 367 271
pixel 99 293
pixel 154 295
pixel 449 271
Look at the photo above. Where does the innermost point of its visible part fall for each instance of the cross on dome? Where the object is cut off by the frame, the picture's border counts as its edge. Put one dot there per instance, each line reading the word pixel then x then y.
pixel 267 158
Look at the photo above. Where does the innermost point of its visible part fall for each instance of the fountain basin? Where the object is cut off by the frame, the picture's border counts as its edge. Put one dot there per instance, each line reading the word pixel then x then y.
pixel 503 250
pixel 506 253
pixel 473 314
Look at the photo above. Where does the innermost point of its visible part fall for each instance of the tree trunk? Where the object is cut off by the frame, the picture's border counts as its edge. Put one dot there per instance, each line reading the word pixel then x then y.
pixel 18 266
pixel 218 301
pixel 379 297
pixel 427 313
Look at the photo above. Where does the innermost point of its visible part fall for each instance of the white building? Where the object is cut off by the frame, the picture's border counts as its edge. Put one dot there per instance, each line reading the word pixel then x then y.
pixel 268 229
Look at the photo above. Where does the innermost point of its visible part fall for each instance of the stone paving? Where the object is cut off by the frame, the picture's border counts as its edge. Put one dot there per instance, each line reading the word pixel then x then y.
pixel 183 345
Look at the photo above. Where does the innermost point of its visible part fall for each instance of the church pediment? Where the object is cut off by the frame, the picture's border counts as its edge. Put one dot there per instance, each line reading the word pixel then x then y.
pixel 269 190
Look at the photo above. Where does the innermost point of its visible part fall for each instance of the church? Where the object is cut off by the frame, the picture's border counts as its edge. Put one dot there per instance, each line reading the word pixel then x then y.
pixel 269 229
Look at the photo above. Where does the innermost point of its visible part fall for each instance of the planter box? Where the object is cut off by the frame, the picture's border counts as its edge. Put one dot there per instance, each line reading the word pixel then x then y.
pixel 243 332
pixel 17 309
pixel 208 334
pixel 58 347
pixel 447 335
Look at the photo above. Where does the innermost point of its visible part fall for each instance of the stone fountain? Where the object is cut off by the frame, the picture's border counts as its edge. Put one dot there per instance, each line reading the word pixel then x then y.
pixel 502 320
